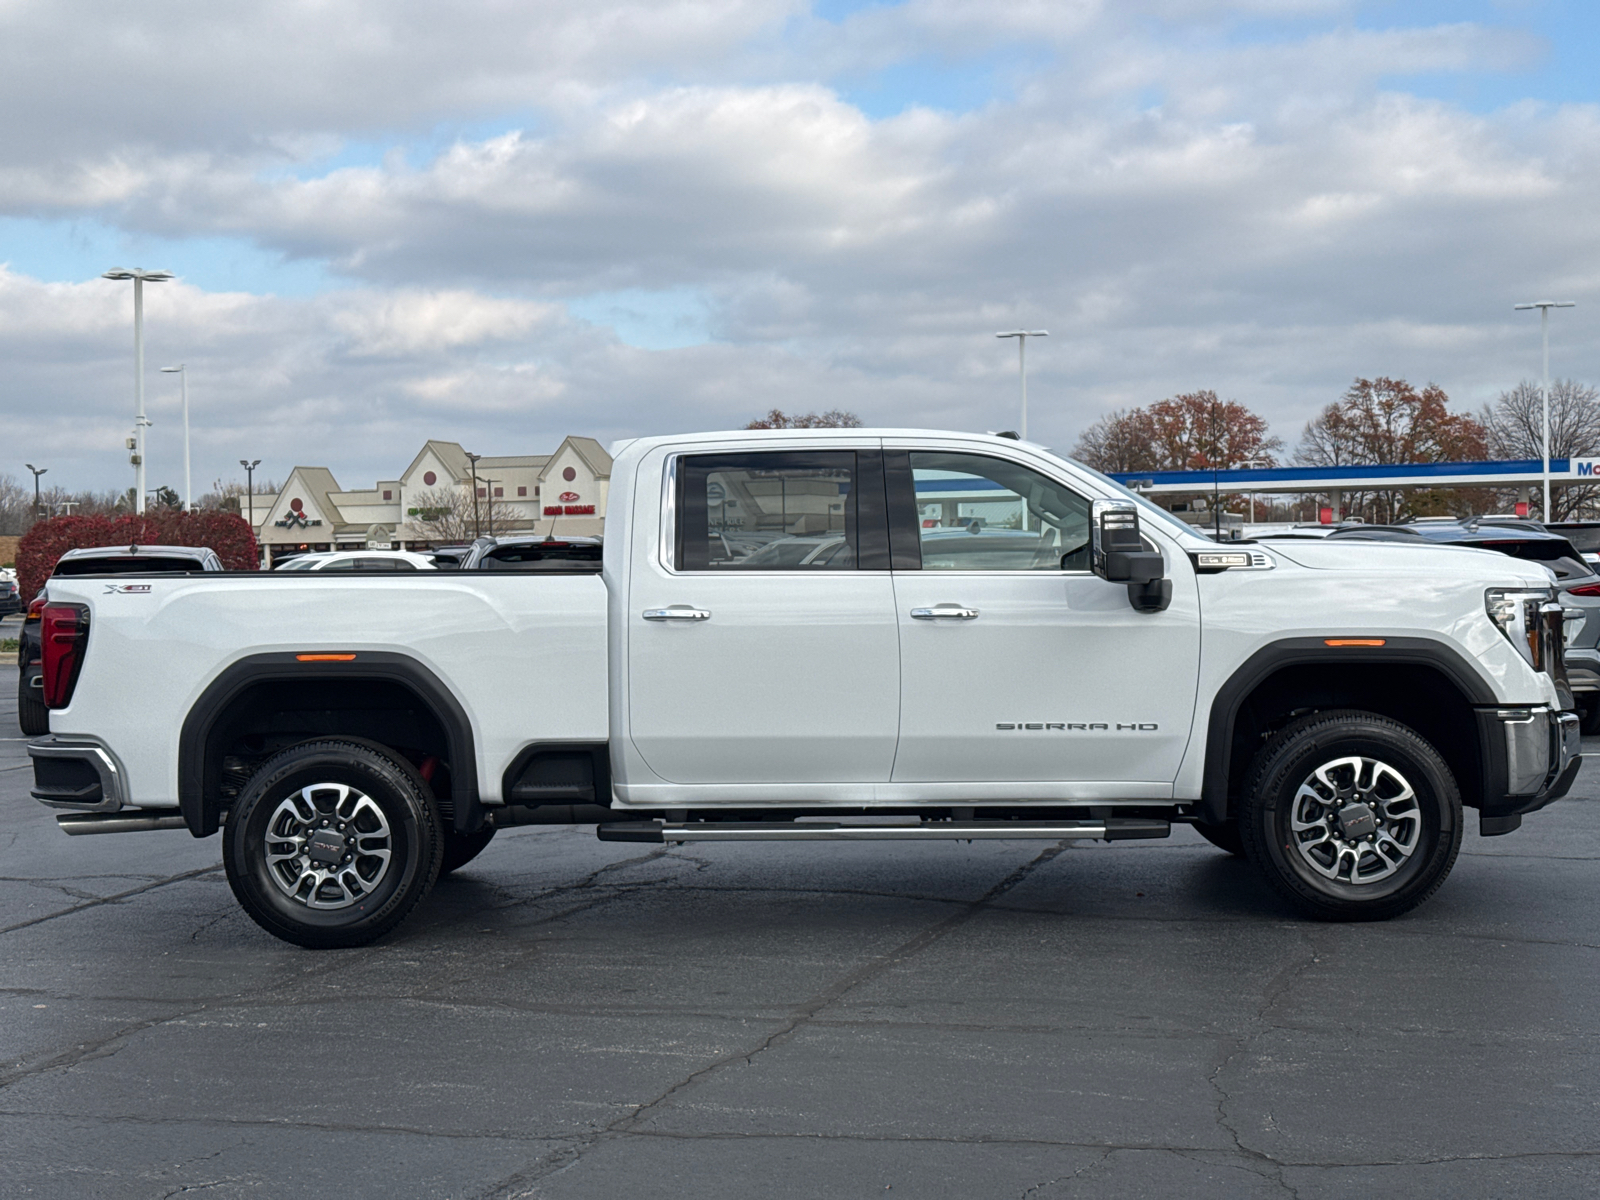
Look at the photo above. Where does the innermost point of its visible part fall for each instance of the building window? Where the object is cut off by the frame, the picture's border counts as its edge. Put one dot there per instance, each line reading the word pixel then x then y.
pixel 498 492
pixel 388 495
pixel 483 493
pixel 522 491
pixel 569 474
pixel 429 478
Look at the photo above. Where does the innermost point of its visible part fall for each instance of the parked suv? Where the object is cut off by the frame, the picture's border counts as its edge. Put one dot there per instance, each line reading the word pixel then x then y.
pixel 529 553
pixel 32 715
pixel 1533 542
pixel 359 560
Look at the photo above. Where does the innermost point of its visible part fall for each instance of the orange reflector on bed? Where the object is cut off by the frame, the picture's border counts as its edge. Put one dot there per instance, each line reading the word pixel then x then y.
pixel 324 657
pixel 1353 641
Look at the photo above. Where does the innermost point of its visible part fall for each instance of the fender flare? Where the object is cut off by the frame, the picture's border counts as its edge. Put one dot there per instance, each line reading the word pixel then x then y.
pixel 198 776
pixel 1291 652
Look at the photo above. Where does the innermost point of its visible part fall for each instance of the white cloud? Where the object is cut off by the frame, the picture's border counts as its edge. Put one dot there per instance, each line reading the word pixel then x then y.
pixel 1180 206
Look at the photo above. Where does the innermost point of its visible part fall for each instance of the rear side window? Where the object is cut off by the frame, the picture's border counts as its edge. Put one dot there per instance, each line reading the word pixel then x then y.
pixel 768 511
pixel 384 564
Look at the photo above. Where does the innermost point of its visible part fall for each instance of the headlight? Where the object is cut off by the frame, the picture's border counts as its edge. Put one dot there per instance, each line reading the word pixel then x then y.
pixel 1530 620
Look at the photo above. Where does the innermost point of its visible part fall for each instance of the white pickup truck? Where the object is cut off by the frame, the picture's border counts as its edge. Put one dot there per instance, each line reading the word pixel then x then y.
pixel 820 635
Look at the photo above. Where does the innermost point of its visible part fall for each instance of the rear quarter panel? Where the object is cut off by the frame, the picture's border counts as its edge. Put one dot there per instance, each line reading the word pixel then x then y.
pixel 525 655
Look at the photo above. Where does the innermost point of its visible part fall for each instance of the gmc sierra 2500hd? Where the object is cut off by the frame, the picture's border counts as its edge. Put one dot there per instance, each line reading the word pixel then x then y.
pixel 821 635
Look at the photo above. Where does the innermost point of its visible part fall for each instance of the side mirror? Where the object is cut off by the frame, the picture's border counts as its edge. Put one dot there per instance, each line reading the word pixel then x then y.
pixel 1119 555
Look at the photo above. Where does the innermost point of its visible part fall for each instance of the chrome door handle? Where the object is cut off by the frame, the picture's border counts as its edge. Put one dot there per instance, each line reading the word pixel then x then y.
pixel 945 612
pixel 677 612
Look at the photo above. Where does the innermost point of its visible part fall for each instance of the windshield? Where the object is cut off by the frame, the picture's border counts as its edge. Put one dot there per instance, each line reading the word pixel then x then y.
pixel 1173 524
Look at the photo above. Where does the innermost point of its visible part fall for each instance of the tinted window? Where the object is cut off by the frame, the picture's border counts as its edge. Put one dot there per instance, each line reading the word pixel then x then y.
pixel 544 556
pixel 985 514
pixel 1584 537
pixel 1559 556
pixel 772 511
pixel 383 564
pixel 125 565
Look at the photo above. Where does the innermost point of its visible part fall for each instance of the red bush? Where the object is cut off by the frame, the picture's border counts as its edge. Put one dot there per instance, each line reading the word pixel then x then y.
pixel 226 533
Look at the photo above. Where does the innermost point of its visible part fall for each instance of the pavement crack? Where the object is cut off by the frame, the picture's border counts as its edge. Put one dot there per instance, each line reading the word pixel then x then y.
pixel 799 1017
pixel 113 899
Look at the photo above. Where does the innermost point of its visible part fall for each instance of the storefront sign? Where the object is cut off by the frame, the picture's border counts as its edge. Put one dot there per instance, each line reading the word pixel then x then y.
pixel 569 510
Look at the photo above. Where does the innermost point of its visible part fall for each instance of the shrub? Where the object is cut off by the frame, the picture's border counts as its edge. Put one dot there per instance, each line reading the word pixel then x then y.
pixel 43 545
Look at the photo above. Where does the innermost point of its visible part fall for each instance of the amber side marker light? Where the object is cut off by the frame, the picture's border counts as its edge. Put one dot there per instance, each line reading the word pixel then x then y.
pixel 1353 641
pixel 324 658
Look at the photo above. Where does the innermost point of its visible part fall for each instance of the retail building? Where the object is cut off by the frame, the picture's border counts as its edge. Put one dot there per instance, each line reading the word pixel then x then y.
pixel 431 502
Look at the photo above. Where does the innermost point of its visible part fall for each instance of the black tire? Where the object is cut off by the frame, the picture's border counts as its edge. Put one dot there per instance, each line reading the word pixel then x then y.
pixel 1589 713
pixel 1224 837
pixel 1383 879
pixel 462 848
pixel 383 808
pixel 32 715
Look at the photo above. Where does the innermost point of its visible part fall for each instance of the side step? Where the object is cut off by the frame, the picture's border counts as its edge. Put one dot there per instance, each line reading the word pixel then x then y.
pixel 1112 829
pixel 78 824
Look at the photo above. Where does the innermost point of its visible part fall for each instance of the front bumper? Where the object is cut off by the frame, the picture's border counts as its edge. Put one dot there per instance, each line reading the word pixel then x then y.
pixel 1531 756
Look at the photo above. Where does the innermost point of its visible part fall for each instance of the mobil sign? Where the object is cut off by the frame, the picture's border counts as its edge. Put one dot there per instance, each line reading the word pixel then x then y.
pixel 1584 468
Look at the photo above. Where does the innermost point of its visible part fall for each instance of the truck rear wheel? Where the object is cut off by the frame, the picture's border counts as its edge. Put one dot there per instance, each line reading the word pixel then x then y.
pixel 332 843
pixel 1351 816
pixel 32 714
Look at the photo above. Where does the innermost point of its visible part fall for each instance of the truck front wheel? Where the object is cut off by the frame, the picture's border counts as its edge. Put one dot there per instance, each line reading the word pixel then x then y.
pixel 332 843
pixel 1351 816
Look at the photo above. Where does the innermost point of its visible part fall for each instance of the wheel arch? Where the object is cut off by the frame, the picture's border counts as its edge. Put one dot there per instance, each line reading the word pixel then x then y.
pixel 214 721
pixel 1425 684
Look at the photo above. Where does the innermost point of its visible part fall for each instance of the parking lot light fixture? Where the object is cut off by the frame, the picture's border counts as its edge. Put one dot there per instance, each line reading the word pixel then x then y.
pixel 1544 307
pixel 250 465
pixel 473 459
pixel 183 380
pixel 38 509
pixel 140 277
pixel 1022 336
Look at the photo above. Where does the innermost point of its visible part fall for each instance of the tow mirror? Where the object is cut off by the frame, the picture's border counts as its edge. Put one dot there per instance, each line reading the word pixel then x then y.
pixel 1119 555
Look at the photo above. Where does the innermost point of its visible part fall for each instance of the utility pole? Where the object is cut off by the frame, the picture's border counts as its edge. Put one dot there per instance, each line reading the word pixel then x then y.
pixel 473 459
pixel 183 378
pixel 250 465
pixel 488 502
pixel 38 508
pixel 1544 307
pixel 1022 336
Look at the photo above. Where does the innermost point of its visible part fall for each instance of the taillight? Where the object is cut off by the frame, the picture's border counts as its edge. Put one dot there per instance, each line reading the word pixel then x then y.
pixel 35 609
pixel 1588 589
pixel 63 632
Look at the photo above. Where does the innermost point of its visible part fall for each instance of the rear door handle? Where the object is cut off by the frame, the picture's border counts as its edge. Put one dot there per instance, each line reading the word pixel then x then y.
pixel 677 612
pixel 945 612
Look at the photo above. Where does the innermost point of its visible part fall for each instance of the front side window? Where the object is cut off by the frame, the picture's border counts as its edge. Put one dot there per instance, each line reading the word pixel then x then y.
pixel 976 513
pixel 768 511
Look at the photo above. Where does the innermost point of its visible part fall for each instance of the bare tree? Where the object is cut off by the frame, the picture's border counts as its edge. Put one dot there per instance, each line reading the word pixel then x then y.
pixel 832 419
pixel 16 506
pixel 1514 424
pixel 444 514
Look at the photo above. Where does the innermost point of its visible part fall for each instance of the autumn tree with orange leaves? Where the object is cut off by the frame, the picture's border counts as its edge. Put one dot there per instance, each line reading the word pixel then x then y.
pixel 1191 432
pixel 1386 420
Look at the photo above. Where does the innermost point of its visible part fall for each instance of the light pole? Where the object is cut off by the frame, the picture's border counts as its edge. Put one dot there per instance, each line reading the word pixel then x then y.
pixel 183 381
pixel 488 502
pixel 1022 336
pixel 1544 307
pixel 38 509
pixel 473 459
pixel 250 465
pixel 139 276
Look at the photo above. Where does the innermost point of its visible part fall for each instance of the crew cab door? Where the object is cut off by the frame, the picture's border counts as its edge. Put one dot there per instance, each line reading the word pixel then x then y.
pixel 762 642
pixel 1015 667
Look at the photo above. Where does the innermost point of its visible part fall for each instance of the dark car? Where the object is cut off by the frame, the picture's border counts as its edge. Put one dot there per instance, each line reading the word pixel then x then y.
pixel 1585 535
pixel 10 597
pixel 32 715
pixel 528 553
pixel 1531 541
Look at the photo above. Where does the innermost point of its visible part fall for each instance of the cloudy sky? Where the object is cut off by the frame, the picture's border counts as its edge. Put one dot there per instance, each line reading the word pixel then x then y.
pixel 502 222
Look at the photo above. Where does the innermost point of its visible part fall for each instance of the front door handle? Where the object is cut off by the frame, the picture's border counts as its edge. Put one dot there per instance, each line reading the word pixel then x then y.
pixel 945 612
pixel 677 612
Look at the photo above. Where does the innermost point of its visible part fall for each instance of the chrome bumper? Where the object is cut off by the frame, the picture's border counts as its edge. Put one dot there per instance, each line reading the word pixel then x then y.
pixel 1536 759
pixel 77 774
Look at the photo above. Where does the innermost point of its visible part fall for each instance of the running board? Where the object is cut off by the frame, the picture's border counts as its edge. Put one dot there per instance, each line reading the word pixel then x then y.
pixel 78 824
pixel 1112 829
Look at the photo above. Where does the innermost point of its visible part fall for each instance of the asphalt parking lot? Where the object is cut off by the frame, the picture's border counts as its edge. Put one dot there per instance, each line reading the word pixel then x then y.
pixel 566 1018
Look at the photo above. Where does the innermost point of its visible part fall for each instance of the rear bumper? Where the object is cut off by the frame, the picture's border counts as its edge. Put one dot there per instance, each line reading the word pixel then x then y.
pixel 1583 669
pixel 1531 755
pixel 77 774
